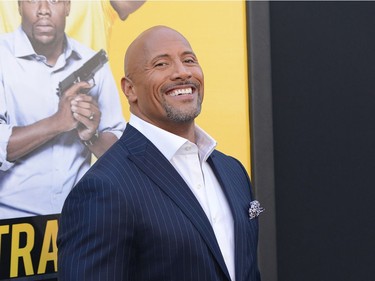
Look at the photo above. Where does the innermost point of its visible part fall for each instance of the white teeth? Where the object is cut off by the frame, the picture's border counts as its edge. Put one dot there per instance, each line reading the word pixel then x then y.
pixel 179 92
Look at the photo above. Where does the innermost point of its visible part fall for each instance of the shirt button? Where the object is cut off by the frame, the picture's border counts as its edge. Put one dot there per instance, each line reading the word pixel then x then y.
pixel 199 186
pixel 188 148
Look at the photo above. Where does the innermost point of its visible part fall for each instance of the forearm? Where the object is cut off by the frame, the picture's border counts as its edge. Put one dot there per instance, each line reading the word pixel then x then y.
pixel 101 145
pixel 24 140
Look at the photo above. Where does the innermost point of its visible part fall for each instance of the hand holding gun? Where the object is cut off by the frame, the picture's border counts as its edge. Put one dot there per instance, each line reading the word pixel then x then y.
pixel 85 73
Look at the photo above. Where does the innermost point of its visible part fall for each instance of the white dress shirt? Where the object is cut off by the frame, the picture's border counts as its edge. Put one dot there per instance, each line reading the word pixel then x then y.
pixel 38 183
pixel 190 160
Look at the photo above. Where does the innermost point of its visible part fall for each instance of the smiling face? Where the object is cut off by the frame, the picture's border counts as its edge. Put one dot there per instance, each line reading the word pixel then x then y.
pixel 164 81
pixel 44 21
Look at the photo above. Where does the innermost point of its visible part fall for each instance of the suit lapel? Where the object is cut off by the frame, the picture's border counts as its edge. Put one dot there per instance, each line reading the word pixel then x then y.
pixel 150 160
pixel 239 214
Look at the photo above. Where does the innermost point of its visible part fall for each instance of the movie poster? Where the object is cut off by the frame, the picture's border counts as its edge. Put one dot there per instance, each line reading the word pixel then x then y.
pixel 217 32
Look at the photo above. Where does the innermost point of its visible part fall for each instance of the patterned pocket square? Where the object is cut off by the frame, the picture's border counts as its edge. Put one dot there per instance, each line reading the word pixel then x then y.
pixel 255 209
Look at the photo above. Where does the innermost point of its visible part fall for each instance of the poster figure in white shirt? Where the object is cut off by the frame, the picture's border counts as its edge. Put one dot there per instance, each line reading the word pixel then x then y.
pixel 47 140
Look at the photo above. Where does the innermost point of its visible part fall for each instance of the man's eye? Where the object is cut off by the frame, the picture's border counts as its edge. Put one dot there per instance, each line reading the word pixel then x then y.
pixel 190 60
pixel 160 64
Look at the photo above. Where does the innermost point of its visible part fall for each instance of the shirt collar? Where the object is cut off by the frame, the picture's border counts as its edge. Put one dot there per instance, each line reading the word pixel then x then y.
pixel 23 47
pixel 169 143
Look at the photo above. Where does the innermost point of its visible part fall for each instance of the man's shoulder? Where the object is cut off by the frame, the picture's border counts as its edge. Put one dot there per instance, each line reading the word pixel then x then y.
pixel 7 40
pixel 84 51
pixel 6 36
pixel 226 159
pixel 218 153
pixel 130 142
pixel 113 163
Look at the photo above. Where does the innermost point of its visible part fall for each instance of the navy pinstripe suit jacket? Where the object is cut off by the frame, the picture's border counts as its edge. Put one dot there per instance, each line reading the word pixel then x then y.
pixel 132 217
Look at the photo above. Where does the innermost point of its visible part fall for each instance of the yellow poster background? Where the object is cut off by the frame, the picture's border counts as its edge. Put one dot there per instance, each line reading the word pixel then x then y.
pixel 217 33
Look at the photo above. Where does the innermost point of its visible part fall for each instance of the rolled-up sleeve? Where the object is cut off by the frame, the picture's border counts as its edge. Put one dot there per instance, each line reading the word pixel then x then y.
pixel 5 130
pixel 112 119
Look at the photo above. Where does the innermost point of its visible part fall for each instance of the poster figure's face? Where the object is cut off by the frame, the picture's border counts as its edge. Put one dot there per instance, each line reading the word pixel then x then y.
pixel 44 21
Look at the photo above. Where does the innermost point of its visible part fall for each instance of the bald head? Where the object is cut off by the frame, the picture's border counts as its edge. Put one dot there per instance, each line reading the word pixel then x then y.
pixel 163 80
pixel 138 51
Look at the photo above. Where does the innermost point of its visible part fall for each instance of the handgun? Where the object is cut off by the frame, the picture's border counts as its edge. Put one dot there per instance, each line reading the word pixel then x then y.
pixel 85 73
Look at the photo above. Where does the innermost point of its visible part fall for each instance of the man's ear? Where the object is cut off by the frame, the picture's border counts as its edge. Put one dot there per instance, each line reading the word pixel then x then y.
pixel 127 87
pixel 67 8
pixel 19 8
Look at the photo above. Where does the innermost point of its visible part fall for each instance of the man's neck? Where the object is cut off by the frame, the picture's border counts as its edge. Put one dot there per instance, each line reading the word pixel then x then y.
pixel 184 130
pixel 50 51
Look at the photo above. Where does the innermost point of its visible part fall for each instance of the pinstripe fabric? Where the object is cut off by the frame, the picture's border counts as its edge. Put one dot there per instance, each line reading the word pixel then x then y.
pixel 132 217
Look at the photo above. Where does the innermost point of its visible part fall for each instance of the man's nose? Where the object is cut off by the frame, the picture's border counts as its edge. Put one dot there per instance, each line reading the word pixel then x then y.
pixel 181 71
pixel 43 7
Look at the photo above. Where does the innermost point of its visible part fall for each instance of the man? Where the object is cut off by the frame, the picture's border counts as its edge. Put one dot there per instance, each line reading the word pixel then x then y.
pixel 162 204
pixel 46 141
pixel 90 22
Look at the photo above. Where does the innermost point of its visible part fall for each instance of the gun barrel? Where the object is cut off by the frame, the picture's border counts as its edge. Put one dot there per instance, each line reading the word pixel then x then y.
pixel 85 73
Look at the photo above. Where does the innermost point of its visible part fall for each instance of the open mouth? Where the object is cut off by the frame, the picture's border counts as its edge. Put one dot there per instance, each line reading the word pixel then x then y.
pixel 181 92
